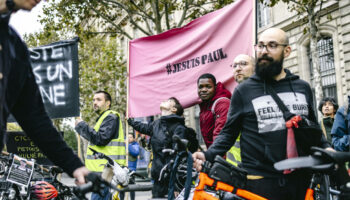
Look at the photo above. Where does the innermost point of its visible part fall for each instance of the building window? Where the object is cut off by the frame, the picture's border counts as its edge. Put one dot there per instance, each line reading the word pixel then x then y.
pixel 263 15
pixel 327 68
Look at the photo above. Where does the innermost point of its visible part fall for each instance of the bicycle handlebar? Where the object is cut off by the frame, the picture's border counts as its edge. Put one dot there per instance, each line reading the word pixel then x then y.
pixel 181 144
pixel 80 191
pixel 321 160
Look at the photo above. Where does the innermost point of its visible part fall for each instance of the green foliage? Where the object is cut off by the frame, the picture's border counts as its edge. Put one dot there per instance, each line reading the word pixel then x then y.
pixel 299 6
pixel 111 16
pixel 70 137
pixel 101 68
pixel 98 24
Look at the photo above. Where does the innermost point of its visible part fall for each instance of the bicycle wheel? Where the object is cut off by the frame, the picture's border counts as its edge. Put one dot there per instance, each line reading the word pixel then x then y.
pixel 322 187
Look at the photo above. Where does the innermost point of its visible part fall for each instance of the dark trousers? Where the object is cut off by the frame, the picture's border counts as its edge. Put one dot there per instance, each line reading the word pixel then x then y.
pixel 288 187
pixel 106 195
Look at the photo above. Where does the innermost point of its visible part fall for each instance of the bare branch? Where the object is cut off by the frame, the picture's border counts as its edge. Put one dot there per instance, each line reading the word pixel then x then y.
pixel 130 14
pixel 147 23
pixel 166 15
pixel 157 21
pixel 110 21
pixel 102 32
pixel 184 13
pixel 142 10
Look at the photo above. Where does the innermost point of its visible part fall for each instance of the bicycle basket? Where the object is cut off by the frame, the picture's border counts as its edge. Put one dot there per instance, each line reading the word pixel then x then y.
pixel 227 173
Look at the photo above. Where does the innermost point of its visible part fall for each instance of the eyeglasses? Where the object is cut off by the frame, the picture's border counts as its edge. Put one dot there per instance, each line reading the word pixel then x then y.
pixel 271 46
pixel 242 64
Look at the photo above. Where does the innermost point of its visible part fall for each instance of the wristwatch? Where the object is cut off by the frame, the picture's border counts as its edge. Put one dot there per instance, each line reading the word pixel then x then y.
pixel 10 5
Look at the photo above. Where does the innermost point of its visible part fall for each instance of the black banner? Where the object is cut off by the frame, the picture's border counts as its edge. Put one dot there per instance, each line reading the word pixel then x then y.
pixel 55 67
pixel 20 144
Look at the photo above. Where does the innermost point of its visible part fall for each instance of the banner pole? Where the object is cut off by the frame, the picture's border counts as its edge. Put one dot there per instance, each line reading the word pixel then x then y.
pixel 256 20
pixel 79 145
pixel 255 24
pixel 127 101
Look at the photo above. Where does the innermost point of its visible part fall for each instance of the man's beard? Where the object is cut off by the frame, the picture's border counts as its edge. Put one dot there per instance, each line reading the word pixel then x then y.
pixel 267 71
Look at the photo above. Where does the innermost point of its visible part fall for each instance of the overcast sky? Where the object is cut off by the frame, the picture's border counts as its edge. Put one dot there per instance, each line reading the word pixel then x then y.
pixel 27 22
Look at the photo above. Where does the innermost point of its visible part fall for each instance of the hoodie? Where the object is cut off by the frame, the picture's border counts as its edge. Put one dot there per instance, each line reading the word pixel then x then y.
pixel 255 115
pixel 161 138
pixel 210 125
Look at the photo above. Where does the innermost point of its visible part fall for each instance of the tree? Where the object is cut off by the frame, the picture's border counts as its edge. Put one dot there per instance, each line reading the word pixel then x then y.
pixel 100 68
pixel 111 16
pixel 309 8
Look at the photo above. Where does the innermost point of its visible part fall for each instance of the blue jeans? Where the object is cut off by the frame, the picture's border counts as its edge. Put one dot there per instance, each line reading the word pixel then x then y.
pixel 106 195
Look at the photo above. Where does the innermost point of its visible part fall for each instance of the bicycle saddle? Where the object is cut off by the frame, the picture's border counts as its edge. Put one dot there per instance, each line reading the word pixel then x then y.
pixel 335 156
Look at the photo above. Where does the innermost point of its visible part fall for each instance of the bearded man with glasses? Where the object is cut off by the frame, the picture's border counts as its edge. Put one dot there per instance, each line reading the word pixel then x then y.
pixel 255 115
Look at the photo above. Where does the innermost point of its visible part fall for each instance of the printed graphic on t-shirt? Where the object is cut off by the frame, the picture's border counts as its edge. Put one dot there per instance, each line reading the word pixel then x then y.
pixel 270 117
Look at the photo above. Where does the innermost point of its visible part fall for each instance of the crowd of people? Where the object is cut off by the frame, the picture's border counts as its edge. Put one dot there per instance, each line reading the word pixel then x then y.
pixel 245 125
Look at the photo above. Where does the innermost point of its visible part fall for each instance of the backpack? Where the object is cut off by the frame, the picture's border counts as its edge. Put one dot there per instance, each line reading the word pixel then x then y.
pixel 190 135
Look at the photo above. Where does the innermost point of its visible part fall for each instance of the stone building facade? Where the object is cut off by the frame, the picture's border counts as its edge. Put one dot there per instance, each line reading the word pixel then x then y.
pixel 333 44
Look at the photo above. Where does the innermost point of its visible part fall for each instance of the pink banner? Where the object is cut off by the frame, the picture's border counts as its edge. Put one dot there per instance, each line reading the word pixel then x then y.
pixel 169 64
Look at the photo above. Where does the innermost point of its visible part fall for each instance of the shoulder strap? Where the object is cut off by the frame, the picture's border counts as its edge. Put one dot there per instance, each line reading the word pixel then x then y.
pixel 215 102
pixel 286 113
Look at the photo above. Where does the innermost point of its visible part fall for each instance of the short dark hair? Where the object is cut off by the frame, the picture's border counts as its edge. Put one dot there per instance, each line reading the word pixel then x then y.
pixel 107 96
pixel 330 99
pixel 178 106
pixel 207 75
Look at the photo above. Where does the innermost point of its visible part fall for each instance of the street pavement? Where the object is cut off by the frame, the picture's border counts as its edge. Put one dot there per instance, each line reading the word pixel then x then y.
pixel 65 179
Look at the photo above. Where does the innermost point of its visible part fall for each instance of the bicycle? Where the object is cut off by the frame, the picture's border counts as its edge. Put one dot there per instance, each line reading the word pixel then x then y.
pixel 116 174
pixel 322 162
pixel 176 169
pixel 222 176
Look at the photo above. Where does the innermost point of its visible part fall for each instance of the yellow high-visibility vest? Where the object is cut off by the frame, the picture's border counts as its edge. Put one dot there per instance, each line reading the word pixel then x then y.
pixel 233 156
pixel 115 149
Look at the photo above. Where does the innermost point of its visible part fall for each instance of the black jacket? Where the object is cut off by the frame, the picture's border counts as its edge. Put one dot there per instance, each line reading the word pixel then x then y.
pixel 255 114
pixel 108 130
pixel 161 138
pixel 19 95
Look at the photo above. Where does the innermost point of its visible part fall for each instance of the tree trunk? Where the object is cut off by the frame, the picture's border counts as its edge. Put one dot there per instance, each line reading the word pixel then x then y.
pixel 314 57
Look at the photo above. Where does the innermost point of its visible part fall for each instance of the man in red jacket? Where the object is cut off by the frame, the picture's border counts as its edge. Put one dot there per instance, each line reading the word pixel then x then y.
pixel 214 107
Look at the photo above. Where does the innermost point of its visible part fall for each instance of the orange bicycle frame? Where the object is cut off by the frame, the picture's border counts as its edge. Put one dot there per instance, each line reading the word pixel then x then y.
pixel 205 180
pixel 309 194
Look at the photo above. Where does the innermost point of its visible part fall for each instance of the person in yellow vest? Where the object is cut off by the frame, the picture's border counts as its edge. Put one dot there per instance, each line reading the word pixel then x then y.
pixel 106 137
pixel 243 68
